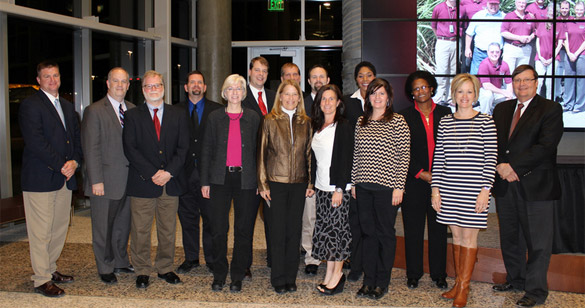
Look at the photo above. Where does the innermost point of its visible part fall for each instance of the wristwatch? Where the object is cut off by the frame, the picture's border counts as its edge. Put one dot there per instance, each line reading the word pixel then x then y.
pixel 339 190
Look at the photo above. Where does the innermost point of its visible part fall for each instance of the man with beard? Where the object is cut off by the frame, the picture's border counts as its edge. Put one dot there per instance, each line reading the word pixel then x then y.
pixel 318 77
pixel 192 205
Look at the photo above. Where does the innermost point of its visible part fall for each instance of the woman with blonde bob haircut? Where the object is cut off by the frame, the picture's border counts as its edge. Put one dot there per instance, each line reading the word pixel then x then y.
pixel 284 158
pixel 463 173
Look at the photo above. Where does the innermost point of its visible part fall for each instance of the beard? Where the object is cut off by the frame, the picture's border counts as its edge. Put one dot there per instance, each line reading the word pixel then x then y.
pixel 196 91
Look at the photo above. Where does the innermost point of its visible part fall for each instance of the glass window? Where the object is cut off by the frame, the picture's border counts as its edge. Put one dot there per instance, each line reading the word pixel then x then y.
pixel 181 66
pixel 63 7
pixel 125 13
pixel 181 23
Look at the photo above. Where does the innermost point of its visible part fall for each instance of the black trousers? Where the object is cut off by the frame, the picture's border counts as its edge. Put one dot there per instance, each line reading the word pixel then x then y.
pixel 356 238
pixel 286 219
pixel 192 207
pixel 245 209
pixel 377 218
pixel 526 225
pixel 416 208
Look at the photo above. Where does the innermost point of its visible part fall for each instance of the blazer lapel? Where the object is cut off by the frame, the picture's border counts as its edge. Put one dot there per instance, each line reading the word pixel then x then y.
pixel 526 115
pixel 51 108
pixel 148 121
pixel 115 121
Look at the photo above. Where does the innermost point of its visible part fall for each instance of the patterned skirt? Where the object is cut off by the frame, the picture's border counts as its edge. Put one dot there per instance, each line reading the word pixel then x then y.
pixel 331 236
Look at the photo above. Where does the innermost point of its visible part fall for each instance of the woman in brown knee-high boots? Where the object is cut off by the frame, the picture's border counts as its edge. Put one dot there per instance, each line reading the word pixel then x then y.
pixel 461 189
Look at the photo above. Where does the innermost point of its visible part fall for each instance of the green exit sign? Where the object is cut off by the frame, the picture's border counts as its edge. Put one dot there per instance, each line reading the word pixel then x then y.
pixel 276 5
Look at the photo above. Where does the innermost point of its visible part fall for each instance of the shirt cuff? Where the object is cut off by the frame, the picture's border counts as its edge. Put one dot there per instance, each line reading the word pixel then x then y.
pixel 418 174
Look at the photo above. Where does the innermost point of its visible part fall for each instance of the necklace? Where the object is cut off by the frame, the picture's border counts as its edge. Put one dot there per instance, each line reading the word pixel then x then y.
pixel 236 118
pixel 468 137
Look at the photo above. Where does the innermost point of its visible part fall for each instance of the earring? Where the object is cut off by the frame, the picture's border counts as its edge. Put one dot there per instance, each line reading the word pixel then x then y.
pixel 413 97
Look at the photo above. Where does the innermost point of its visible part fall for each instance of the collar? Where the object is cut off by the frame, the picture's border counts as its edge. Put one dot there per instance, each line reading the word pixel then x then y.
pixel 50 96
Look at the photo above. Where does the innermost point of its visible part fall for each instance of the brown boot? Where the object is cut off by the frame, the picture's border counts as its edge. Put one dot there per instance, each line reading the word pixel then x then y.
pixel 453 292
pixel 467 260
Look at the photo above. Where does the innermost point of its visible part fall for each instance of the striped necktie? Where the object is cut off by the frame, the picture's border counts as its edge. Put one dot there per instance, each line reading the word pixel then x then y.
pixel 121 112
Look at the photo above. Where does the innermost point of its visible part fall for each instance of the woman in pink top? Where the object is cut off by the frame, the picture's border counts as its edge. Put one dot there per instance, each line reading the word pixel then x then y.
pixel 544 50
pixel 574 97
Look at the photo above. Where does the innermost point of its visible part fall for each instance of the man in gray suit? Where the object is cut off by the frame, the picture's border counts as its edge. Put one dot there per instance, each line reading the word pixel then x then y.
pixel 105 181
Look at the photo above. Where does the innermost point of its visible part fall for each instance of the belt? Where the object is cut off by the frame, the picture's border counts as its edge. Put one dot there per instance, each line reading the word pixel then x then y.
pixel 518 45
pixel 446 38
pixel 233 169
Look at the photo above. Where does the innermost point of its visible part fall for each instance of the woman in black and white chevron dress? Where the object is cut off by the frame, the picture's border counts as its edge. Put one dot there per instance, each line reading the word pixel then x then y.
pixel 380 163
pixel 463 172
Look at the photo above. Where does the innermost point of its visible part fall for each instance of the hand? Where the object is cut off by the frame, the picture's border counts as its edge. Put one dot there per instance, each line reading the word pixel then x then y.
pixel 397 196
pixel 426 176
pixel 309 193
pixel 98 189
pixel 68 169
pixel 468 53
pixel 482 201
pixel 266 195
pixel 205 191
pixel 506 172
pixel 353 192
pixel 436 202
pixel 336 199
pixel 161 177
pixel 572 56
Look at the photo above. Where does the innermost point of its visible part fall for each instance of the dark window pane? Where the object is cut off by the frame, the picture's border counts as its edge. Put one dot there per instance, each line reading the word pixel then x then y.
pixel 127 13
pixel 63 7
pixel 181 23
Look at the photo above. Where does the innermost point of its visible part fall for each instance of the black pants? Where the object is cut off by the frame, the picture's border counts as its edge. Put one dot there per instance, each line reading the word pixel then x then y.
pixel 286 219
pixel 416 208
pixel 356 238
pixel 192 206
pixel 377 218
pixel 526 225
pixel 244 215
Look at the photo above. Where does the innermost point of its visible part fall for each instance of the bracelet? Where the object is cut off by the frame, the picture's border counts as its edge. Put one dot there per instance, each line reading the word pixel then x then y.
pixel 435 195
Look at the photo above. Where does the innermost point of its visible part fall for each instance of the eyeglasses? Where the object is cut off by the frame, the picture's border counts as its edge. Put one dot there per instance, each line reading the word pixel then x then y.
pixel 230 89
pixel 520 81
pixel 153 86
pixel 420 88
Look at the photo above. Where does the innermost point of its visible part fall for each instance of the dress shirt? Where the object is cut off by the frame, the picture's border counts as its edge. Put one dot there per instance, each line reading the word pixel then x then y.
pixel 358 95
pixel 116 105
pixel 159 113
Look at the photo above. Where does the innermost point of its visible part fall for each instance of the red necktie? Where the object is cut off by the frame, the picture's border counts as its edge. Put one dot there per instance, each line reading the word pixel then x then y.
pixel 156 123
pixel 516 118
pixel 261 104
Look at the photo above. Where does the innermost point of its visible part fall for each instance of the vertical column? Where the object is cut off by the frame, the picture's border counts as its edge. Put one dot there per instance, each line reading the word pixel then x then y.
pixel 5 142
pixel 214 48
pixel 82 58
pixel 352 42
pixel 162 47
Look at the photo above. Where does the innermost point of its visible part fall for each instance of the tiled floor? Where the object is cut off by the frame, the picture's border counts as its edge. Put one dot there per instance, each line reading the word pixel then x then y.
pixel 87 291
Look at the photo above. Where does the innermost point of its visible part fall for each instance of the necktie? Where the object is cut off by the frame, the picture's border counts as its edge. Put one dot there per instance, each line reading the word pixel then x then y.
pixel 195 117
pixel 516 118
pixel 60 112
pixel 156 123
pixel 121 111
pixel 261 104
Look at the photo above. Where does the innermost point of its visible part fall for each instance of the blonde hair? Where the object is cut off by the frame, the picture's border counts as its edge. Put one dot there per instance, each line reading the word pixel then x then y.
pixel 277 110
pixel 234 79
pixel 460 79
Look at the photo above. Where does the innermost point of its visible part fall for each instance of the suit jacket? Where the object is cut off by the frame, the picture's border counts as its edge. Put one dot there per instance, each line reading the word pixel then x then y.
pixel 251 103
pixel 419 149
pixel 531 150
pixel 353 109
pixel 196 133
pixel 101 139
pixel 308 105
pixel 47 145
pixel 147 155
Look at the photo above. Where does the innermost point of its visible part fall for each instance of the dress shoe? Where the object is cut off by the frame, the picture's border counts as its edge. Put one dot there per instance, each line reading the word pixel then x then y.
pixel 354 276
pixel 526 301
pixel 248 275
pixel 291 287
pixel 127 270
pixel 187 266
pixel 311 269
pixel 412 283
pixel 170 277
pixel 504 287
pixel 109 278
pixel 364 291
pixel 280 289
pixel 236 286
pixel 142 281
pixel 217 285
pixel 60 278
pixel 337 289
pixel 49 289
pixel 377 293
pixel 441 283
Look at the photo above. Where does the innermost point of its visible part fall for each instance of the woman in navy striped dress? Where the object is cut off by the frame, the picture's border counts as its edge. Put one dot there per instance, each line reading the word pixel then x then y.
pixel 463 172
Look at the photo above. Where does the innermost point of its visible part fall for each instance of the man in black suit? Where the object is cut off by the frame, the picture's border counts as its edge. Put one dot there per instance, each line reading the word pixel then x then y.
pixel 156 142
pixel 106 176
pixel 52 153
pixel 192 205
pixel 529 130
pixel 318 77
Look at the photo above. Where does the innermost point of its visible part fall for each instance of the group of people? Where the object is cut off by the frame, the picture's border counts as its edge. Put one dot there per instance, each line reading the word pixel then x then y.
pixel 333 181
pixel 497 42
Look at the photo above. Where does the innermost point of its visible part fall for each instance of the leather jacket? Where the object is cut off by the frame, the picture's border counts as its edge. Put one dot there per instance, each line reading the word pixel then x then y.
pixel 279 160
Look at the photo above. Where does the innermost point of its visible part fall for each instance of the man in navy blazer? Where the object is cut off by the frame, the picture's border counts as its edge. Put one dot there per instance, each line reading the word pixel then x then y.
pixel 52 154
pixel 156 142
pixel 529 131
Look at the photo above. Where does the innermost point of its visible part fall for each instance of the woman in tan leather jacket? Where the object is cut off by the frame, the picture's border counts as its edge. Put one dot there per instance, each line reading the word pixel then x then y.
pixel 284 158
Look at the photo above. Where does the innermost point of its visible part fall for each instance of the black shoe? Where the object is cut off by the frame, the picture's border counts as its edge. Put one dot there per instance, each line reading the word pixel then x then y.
pixel 142 281
pixel 441 283
pixel 377 293
pixel 291 287
pixel 504 287
pixel 127 270
pixel 526 302
pixel 337 289
pixel 50 289
pixel 354 276
pixel 248 275
pixel 280 289
pixel 236 286
pixel 217 285
pixel 108 278
pixel 311 269
pixel 364 291
pixel 170 277
pixel 412 283
pixel 187 266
